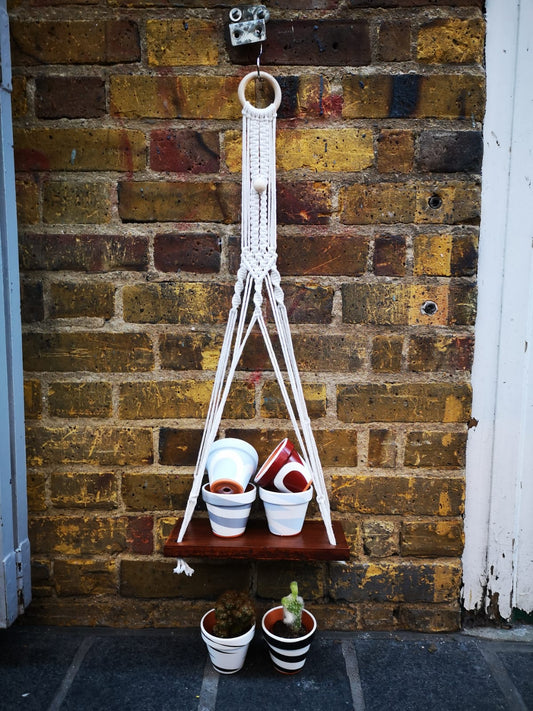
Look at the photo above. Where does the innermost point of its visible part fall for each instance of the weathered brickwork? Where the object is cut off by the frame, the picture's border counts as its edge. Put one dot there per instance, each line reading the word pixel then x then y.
pixel 128 156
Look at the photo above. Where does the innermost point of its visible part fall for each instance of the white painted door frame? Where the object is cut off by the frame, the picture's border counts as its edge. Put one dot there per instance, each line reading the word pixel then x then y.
pixel 15 584
pixel 498 555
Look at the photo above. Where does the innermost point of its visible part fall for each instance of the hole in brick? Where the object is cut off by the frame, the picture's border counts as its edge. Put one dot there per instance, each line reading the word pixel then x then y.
pixel 435 201
pixel 429 308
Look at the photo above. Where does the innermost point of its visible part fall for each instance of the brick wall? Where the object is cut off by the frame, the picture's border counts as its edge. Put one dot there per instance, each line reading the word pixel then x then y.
pixel 127 135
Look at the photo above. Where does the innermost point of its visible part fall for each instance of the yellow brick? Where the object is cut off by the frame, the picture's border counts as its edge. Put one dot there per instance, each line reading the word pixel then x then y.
pixel 181 42
pixel 451 41
pixel 343 150
pixel 432 255
pixel 418 295
pixel 27 202
pixel 80 149
pixel 195 97
pixel 460 202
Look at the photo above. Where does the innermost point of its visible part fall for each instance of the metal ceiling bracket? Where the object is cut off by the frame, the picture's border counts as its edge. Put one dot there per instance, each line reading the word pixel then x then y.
pixel 248 24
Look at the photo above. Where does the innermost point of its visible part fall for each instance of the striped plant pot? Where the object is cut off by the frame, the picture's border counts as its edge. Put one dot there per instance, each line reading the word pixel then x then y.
pixel 228 513
pixel 285 511
pixel 288 655
pixel 227 654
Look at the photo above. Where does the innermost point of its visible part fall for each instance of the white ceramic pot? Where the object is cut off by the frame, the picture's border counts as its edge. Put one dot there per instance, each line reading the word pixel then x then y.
pixel 230 465
pixel 227 654
pixel 228 513
pixel 288 655
pixel 285 511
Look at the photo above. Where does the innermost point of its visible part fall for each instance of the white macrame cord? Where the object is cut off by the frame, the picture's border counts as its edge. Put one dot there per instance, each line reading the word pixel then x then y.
pixel 257 273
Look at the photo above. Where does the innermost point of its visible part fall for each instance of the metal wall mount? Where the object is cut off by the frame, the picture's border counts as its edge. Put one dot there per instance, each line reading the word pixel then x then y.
pixel 248 24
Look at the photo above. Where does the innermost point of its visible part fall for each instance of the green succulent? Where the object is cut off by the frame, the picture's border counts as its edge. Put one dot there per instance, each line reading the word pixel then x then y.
pixel 293 605
pixel 234 614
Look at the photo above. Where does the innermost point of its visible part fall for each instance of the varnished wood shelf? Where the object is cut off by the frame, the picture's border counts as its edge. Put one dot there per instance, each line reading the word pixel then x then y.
pixel 257 543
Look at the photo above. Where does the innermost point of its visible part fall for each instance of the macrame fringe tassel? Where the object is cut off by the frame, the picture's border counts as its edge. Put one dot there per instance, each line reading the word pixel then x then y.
pixel 183 567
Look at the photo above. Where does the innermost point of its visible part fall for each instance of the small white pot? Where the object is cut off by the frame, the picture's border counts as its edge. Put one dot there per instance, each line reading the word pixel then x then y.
pixel 227 655
pixel 285 511
pixel 228 513
pixel 230 464
pixel 288 655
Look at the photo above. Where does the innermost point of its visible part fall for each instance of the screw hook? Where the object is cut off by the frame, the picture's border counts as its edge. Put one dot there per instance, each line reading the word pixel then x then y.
pixel 259 62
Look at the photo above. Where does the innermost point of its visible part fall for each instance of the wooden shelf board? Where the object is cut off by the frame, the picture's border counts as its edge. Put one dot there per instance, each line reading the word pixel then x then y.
pixel 257 543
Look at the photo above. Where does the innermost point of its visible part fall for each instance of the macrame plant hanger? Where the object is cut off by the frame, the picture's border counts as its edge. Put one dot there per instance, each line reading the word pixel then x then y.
pixel 258 274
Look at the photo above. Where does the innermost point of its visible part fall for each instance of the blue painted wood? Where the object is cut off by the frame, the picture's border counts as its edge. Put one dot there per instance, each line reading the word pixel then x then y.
pixel 15 588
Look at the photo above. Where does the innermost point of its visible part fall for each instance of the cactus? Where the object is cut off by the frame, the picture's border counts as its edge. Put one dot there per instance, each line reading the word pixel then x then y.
pixel 293 605
pixel 234 614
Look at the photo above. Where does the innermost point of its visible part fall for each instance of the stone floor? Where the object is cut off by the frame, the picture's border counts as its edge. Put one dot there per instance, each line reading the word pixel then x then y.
pixel 80 669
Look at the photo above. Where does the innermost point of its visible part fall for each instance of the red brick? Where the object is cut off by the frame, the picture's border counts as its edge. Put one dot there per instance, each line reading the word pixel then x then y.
pixel 308 303
pixel 179 447
pixel 32 301
pixel 304 203
pixel 311 42
pixel 389 255
pixel 74 42
pixel 69 97
pixel 83 252
pixel 199 253
pixel 184 151
pixel 140 534
pixel 394 41
pixel 321 255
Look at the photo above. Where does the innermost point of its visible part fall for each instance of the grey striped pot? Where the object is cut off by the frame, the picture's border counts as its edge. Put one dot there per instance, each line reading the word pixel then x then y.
pixel 228 513
pixel 288 655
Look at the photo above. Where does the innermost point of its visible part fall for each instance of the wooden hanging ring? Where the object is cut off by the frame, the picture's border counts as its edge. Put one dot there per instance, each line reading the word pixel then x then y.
pixel 270 79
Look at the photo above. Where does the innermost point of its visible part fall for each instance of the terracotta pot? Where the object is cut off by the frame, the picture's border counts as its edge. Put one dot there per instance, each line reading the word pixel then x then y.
pixel 284 470
pixel 228 513
pixel 285 512
pixel 230 465
pixel 227 654
pixel 288 655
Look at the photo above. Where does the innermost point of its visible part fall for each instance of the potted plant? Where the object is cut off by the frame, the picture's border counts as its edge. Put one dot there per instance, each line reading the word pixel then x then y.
pixel 227 629
pixel 288 631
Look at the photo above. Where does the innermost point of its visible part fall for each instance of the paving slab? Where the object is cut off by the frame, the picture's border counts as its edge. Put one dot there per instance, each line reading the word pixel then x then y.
pixel 438 673
pixel 518 662
pixel 152 672
pixel 33 664
pixel 322 682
